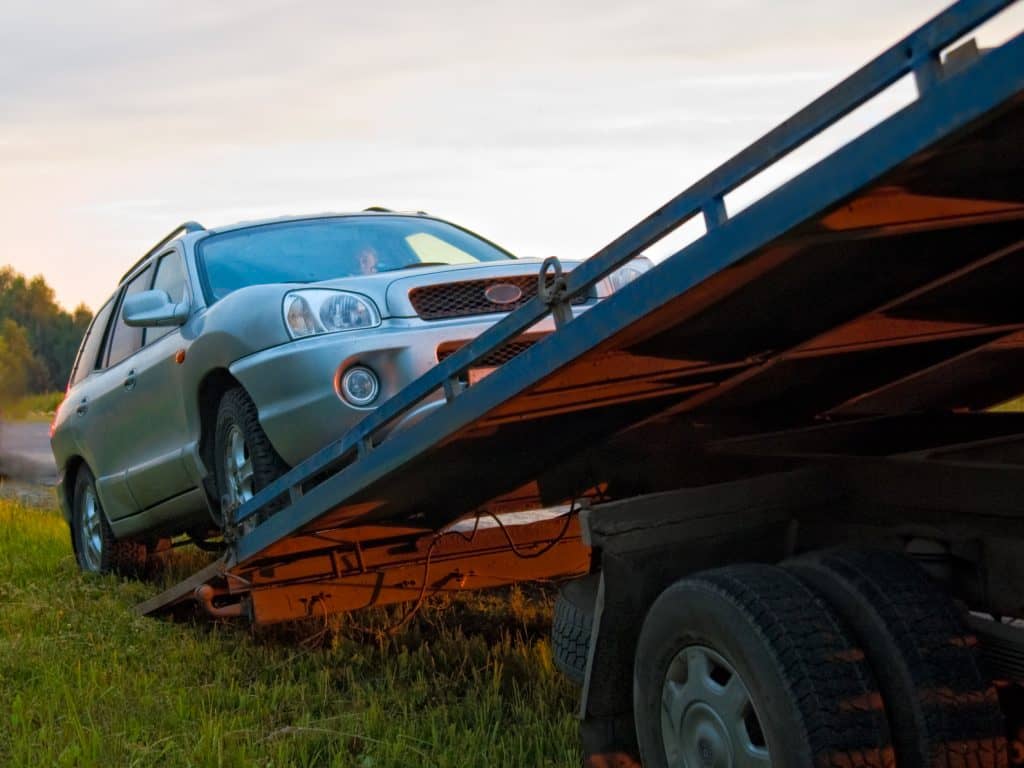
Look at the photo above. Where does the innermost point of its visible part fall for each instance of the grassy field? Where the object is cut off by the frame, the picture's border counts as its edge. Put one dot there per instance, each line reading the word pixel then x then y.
pixel 84 682
pixel 1014 406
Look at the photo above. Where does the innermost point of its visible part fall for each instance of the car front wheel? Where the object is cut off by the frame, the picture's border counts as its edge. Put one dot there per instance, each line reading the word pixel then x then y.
pixel 245 460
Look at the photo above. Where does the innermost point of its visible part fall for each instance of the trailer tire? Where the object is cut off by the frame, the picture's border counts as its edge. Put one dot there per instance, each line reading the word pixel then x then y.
pixel 943 710
pixel 571 626
pixel 772 651
pixel 96 550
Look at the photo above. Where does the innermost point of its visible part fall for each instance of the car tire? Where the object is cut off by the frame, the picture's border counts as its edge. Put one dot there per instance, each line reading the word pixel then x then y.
pixel 748 658
pixel 571 626
pixel 96 550
pixel 244 459
pixel 943 710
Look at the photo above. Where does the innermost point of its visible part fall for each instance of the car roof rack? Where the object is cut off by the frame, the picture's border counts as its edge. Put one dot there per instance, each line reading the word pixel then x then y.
pixel 182 229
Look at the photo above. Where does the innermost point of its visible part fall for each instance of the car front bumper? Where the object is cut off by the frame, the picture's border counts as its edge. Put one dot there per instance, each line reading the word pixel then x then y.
pixel 294 386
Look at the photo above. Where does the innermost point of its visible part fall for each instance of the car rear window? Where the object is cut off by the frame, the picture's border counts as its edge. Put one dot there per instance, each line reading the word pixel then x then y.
pixel 312 250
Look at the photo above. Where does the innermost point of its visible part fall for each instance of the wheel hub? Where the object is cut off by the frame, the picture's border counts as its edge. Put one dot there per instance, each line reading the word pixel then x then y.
pixel 708 717
pixel 705 738
pixel 238 468
pixel 90 531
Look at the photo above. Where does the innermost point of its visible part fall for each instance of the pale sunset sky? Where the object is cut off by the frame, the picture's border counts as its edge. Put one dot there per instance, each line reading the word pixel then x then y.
pixel 548 127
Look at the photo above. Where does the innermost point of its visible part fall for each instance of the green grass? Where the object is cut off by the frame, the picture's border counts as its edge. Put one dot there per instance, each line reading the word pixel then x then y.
pixel 85 682
pixel 34 407
pixel 1014 406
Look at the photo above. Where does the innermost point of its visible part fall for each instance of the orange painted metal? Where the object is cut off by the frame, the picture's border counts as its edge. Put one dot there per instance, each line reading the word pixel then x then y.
pixel 347 578
pixel 348 569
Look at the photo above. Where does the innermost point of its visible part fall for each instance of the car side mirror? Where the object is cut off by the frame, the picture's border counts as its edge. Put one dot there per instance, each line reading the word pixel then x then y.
pixel 153 308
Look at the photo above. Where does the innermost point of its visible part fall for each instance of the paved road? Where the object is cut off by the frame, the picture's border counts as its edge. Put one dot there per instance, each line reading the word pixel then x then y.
pixel 25 451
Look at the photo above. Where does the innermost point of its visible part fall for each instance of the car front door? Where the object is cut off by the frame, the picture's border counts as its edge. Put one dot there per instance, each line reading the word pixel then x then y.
pixel 111 421
pixel 158 470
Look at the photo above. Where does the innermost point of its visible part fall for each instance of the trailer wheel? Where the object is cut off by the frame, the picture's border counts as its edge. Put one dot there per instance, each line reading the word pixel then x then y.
pixel 244 459
pixel 571 626
pixel 943 711
pixel 747 666
pixel 96 549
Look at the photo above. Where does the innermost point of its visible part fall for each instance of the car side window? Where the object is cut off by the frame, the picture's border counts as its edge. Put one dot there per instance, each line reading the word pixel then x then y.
pixel 127 340
pixel 170 278
pixel 89 352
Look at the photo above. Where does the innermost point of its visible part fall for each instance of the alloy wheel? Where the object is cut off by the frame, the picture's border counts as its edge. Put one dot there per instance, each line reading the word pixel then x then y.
pixel 90 531
pixel 238 467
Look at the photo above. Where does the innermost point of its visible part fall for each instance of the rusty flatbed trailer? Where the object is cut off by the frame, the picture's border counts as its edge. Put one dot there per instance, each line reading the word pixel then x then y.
pixel 815 371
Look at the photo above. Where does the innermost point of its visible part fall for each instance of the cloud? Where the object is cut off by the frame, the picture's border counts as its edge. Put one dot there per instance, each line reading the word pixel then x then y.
pixel 550 127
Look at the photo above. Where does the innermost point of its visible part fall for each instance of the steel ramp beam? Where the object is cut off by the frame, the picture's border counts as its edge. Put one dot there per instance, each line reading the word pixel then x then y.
pixel 918 50
pixel 950 106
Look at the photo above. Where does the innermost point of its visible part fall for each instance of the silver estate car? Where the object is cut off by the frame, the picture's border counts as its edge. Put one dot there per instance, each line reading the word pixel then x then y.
pixel 227 355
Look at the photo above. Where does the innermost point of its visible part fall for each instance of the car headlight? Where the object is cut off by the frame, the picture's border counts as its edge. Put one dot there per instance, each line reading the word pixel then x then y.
pixel 315 311
pixel 627 273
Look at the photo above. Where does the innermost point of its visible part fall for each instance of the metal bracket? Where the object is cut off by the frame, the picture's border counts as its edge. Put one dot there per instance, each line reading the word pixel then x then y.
pixel 961 57
pixel 553 294
pixel 452 387
pixel 928 73
pixel 714 213
pixel 364 446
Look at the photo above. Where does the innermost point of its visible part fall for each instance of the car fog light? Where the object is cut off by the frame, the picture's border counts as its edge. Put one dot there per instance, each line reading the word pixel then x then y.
pixel 360 386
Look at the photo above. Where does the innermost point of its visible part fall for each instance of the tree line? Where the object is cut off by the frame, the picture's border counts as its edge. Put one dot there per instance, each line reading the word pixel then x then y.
pixel 38 337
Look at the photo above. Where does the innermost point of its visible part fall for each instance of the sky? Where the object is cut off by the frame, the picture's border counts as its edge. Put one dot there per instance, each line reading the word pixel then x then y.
pixel 547 127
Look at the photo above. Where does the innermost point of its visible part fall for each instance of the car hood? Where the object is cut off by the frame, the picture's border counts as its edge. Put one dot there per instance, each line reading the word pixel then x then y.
pixel 390 290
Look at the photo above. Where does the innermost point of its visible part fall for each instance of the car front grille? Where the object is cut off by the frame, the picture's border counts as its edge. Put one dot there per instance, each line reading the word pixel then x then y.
pixel 500 356
pixel 469 297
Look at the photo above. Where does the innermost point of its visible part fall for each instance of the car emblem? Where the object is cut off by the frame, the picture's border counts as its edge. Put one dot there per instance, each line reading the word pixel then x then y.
pixel 503 293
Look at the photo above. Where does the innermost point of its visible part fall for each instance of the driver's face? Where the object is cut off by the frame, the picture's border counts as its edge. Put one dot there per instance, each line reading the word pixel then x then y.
pixel 368 260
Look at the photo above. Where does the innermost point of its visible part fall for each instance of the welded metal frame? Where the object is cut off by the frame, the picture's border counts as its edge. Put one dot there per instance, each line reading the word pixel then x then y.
pixel 354 575
pixel 945 105
pixel 337 571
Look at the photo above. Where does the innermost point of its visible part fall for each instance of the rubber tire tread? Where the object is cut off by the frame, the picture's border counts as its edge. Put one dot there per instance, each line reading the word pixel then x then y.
pixel 571 627
pixel 125 557
pixel 943 710
pixel 236 407
pixel 823 709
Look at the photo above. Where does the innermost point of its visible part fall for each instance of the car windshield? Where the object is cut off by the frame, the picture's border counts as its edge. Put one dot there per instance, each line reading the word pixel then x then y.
pixel 312 250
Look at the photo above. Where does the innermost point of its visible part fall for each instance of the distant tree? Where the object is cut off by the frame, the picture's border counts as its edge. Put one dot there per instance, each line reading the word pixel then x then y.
pixel 19 366
pixel 52 334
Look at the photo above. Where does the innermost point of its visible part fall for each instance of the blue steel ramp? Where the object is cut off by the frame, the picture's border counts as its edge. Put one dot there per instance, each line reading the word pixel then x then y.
pixel 883 280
